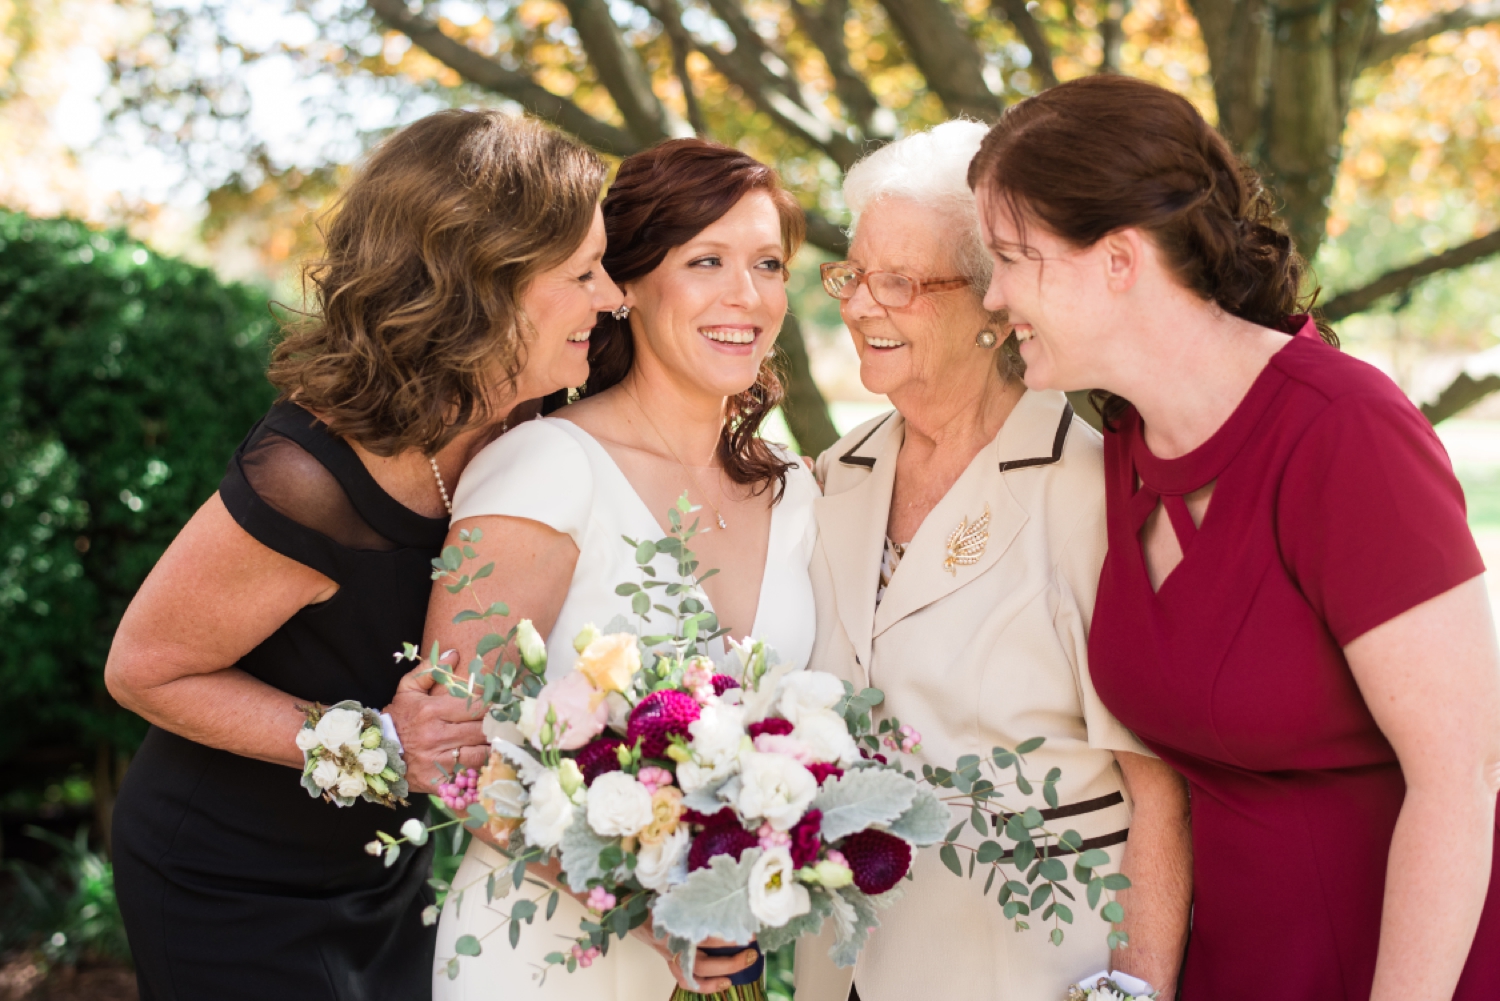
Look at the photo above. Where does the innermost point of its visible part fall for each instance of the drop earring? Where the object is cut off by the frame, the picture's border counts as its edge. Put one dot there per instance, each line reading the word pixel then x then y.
pixel 986 339
pixel 621 312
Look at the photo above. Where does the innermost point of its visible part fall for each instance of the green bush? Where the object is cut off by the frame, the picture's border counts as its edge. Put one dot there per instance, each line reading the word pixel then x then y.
pixel 126 380
pixel 68 912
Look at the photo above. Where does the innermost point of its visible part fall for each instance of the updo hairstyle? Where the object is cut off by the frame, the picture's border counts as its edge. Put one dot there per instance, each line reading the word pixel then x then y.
pixel 1102 153
pixel 662 198
pixel 417 330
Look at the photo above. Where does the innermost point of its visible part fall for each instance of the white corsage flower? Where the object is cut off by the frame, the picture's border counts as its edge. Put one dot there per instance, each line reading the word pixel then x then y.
pixel 373 762
pixel 775 895
pixel 326 774
pixel 351 786
pixel 808 691
pixel 618 805
pixel 340 728
pixel 548 812
pixel 307 739
pixel 775 788
pixel 663 865
pixel 826 736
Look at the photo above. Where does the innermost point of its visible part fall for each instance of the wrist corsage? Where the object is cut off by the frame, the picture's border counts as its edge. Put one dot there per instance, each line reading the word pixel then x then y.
pixel 1114 986
pixel 347 757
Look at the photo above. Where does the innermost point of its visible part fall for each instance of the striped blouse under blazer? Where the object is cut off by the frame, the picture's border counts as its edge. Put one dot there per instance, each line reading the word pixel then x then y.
pixel 990 654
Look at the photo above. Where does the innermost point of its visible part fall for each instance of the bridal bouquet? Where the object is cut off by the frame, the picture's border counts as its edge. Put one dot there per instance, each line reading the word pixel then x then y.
pixel 747 802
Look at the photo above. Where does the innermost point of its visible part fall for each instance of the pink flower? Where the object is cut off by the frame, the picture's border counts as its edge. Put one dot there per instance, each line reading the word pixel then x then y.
pixel 772 838
pixel 600 899
pixel 584 956
pixel 775 743
pixel 581 713
pixel 654 778
pixel 834 855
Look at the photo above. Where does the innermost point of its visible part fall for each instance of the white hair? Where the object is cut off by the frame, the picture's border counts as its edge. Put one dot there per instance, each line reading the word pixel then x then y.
pixel 929 168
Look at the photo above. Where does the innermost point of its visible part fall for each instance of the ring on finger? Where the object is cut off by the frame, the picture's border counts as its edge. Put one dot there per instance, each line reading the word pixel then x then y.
pixel 455 758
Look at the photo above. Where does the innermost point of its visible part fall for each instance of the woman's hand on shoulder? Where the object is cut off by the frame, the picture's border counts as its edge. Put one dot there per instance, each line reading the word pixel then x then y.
pixel 432 725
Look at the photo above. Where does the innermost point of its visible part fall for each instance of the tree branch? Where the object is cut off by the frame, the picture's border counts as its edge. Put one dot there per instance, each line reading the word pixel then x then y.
pixel 484 72
pixel 803 406
pixel 1360 299
pixel 824 234
pixel 1461 394
pixel 945 55
pixel 621 71
pixel 670 15
pixel 1019 16
pixel 1387 45
pixel 825 29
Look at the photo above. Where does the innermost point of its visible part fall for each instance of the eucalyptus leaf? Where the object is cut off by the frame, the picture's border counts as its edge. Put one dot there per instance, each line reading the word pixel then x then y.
pixel 467 945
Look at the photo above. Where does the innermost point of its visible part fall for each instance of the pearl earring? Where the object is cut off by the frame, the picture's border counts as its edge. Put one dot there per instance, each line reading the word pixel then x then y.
pixel 621 312
pixel 986 339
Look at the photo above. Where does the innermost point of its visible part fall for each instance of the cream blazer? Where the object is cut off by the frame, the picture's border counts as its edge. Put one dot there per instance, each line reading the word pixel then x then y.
pixel 989 654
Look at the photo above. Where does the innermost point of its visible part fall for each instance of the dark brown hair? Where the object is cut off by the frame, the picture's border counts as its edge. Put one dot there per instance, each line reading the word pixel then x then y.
pixel 418 291
pixel 661 199
pixel 1102 153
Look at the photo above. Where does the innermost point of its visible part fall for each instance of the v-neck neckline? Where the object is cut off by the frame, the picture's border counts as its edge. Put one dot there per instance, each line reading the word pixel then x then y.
pixel 644 512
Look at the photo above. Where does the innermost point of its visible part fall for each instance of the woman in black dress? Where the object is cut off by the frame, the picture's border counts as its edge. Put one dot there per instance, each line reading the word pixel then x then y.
pixel 461 276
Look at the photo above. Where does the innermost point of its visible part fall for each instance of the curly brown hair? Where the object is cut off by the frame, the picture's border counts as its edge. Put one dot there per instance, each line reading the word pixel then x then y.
pixel 417 332
pixel 661 199
pixel 1102 153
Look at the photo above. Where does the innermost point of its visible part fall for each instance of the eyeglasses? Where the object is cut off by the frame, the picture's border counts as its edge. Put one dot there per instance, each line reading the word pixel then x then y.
pixel 842 279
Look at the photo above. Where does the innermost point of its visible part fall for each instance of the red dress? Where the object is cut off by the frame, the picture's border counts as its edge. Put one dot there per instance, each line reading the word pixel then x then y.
pixel 1335 510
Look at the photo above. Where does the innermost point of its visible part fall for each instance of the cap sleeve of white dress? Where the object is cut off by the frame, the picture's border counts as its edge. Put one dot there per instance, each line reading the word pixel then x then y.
pixel 536 471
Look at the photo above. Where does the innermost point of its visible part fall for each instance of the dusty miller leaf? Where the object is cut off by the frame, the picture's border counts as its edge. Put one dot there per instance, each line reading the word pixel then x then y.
pixel 772 939
pixel 580 848
pixel 714 901
pixel 854 919
pixel 925 821
pixel 863 798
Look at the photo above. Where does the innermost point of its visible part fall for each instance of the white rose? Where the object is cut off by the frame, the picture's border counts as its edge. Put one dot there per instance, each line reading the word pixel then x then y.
pixel 326 774
pixel 775 895
pixel 351 786
pixel 717 737
pixel 808 691
pixel 618 805
pixel 775 788
pixel 826 736
pixel 663 865
pixel 372 761
pixel 340 728
pixel 307 739
pixel 548 813
pixel 414 831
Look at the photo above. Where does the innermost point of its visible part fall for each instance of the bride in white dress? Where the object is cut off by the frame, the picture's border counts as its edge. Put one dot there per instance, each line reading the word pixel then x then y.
pixel 699 237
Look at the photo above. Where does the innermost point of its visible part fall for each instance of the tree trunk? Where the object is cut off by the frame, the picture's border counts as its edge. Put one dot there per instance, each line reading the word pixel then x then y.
pixel 806 412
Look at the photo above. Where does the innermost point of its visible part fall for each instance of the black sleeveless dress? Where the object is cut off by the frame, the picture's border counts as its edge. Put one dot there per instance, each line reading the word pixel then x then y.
pixel 234 883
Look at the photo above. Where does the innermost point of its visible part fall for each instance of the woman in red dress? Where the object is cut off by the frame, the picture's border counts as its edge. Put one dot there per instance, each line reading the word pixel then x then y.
pixel 1292 611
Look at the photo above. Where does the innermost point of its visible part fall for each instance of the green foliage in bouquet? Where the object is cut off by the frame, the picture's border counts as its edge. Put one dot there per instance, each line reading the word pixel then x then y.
pixel 126 380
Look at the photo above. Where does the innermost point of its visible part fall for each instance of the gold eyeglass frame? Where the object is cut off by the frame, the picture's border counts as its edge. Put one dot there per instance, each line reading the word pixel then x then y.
pixel 920 286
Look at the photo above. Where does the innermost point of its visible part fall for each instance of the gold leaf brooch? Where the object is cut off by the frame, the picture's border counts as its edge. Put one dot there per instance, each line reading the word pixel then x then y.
pixel 966 544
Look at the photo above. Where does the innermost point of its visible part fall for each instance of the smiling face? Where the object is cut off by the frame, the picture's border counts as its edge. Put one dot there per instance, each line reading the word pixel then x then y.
pixel 561 307
pixel 709 313
pixel 1057 295
pixel 927 344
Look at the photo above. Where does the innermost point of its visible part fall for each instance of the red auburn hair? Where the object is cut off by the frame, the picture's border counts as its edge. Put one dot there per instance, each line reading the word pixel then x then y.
pixel 662 198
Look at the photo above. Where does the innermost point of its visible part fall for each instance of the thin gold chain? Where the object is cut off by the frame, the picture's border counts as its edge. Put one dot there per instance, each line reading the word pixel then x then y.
pixel 673 452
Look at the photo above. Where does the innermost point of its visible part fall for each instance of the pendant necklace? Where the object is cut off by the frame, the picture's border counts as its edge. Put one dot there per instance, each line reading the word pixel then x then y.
pixel 673 452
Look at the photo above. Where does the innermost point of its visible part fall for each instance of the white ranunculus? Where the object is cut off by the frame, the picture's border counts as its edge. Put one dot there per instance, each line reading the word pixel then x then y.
pixel 373 762
pixel 351 786
pixel 307 739
pixel 340 728
pixel 663 865
pixel 548 812
pixel 826 736
pixel 808 691
pixel 717 737
pixel 618 805
pixel 775 895
pixel 326 774
pixel 774 788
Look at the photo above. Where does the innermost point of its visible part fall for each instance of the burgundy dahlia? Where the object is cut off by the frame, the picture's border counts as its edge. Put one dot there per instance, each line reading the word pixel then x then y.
pixel 598 757
pixel 878 859
pixel 771 725
pixel 723 839
pixel 873 757
pixel 724 816
pixel 657 715
pixel 823 772
pixel 805 840
pixel 723 683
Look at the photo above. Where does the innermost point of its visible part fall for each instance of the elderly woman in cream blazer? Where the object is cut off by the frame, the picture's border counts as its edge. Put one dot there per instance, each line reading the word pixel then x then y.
pixel 960 541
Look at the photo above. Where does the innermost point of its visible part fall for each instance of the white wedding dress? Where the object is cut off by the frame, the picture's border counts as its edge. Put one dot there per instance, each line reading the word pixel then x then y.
pixel 552 471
